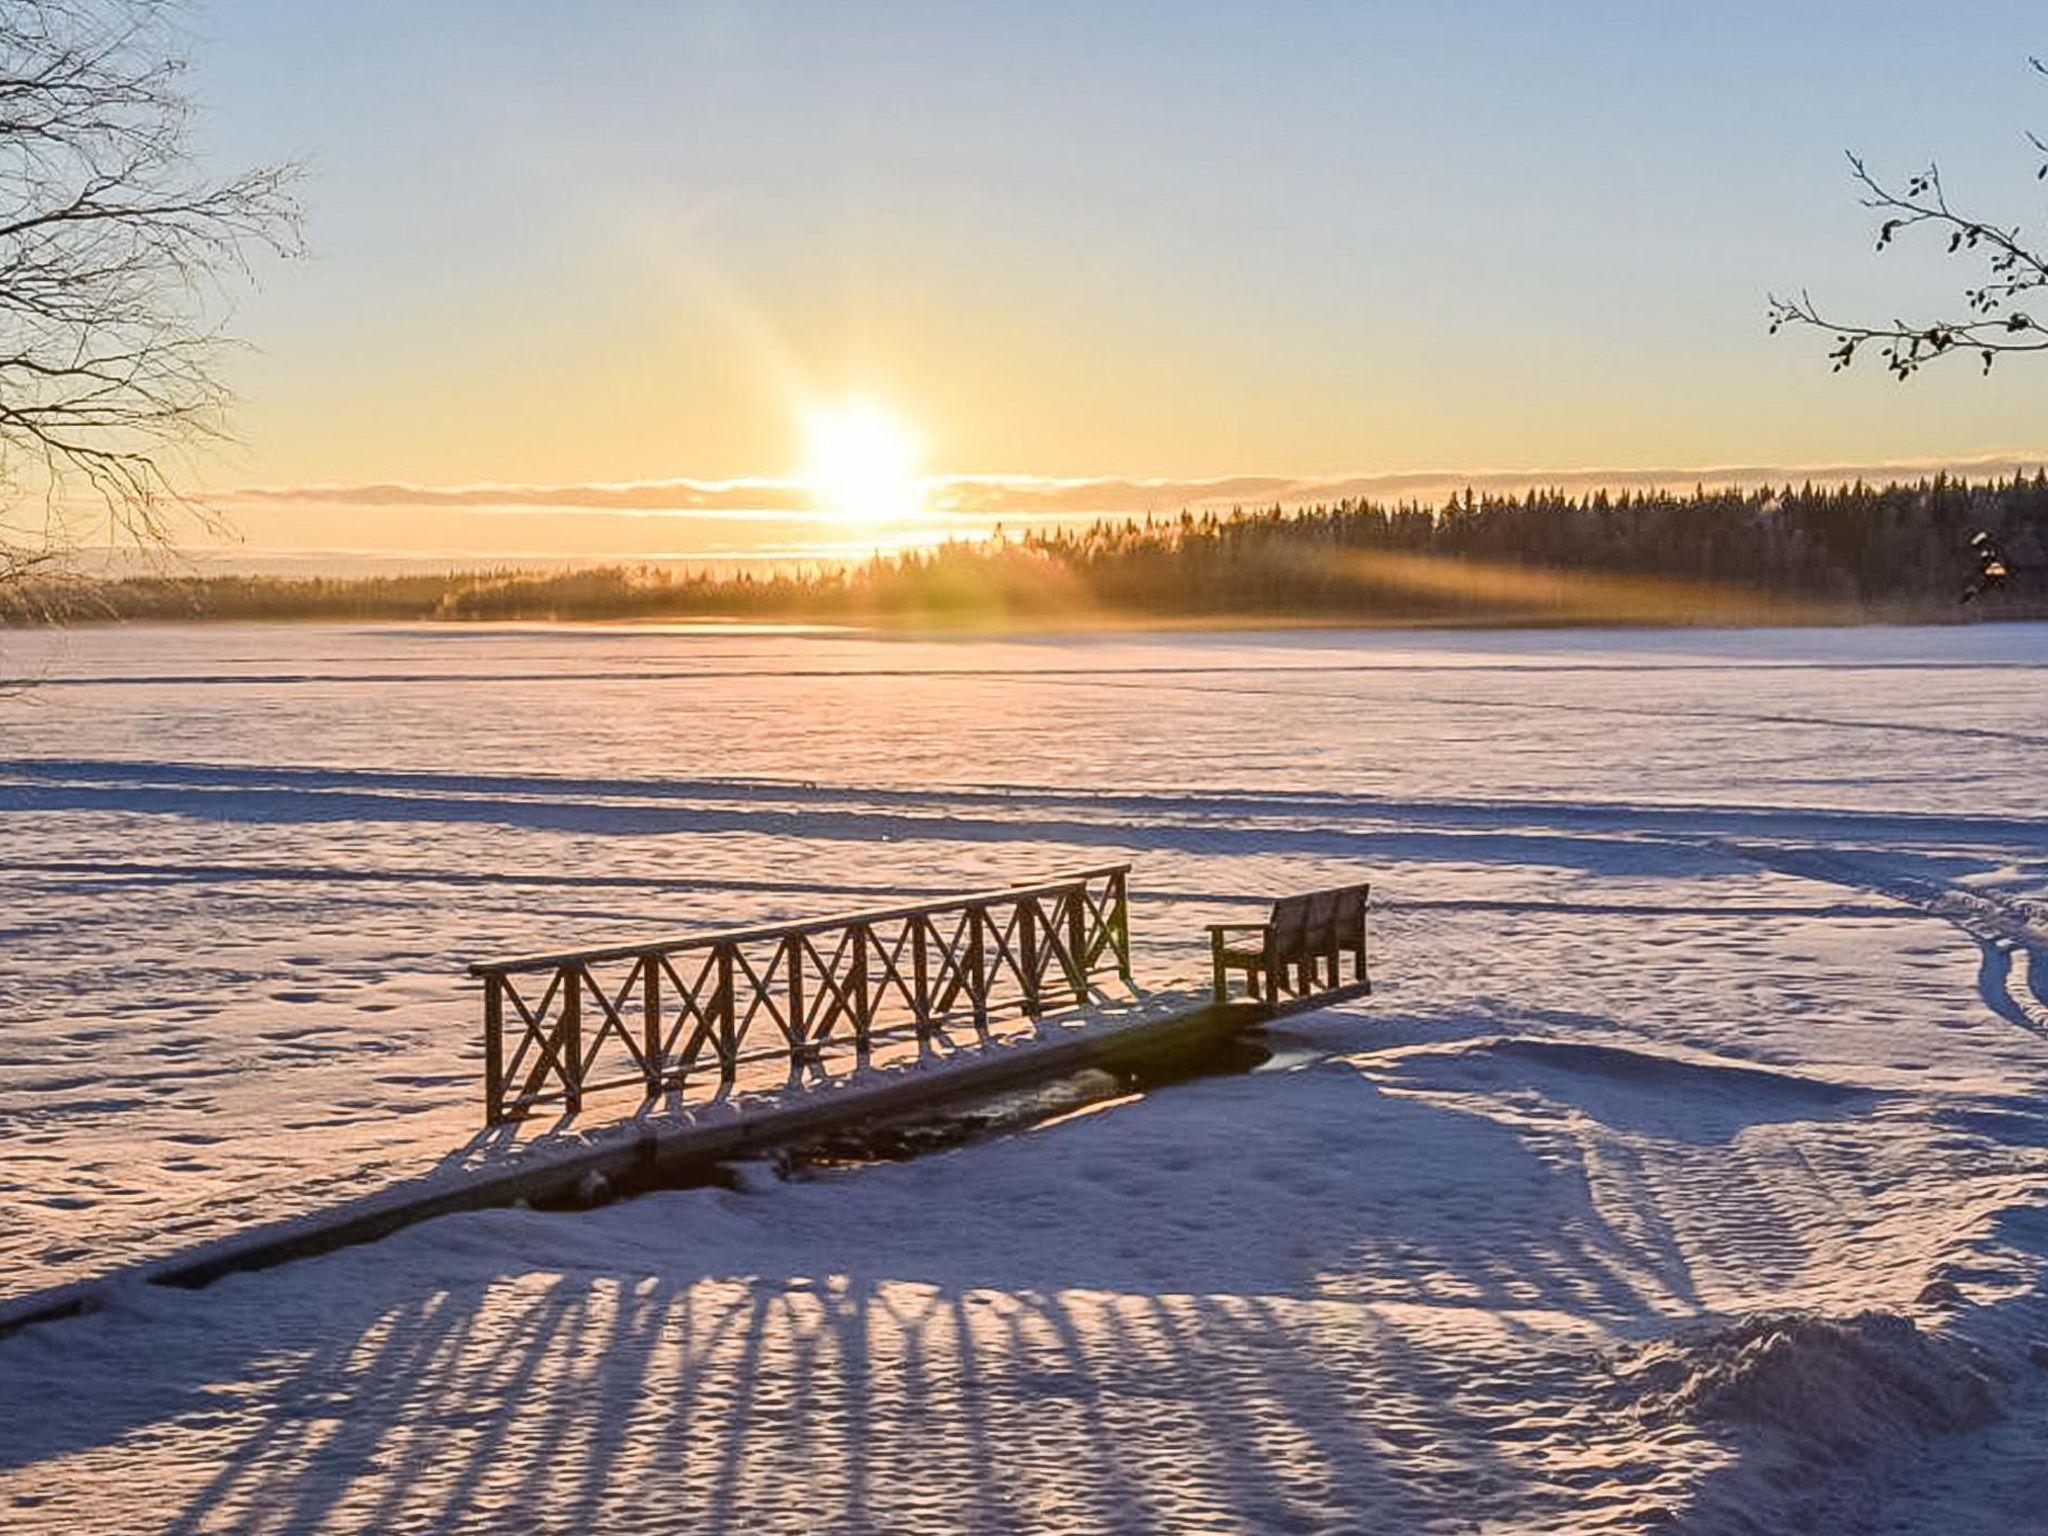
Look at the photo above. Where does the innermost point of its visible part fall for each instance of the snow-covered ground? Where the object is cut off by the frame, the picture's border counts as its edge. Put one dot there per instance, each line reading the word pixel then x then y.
pixel 1709 986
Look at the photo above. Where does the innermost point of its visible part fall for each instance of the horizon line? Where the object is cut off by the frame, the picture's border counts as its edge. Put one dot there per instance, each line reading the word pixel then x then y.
pixel 757 498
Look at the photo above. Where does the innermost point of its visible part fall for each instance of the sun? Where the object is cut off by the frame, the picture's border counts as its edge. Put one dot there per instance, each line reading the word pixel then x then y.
pixel 864 465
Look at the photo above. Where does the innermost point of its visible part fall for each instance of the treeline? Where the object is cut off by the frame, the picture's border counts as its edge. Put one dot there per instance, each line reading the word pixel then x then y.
pixel 1894 551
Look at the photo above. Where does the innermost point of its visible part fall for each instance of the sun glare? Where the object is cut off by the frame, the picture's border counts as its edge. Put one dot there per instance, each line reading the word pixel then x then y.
pixel 864 465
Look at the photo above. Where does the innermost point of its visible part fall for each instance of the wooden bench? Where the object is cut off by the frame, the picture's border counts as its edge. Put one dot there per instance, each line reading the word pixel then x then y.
pixel 1304 935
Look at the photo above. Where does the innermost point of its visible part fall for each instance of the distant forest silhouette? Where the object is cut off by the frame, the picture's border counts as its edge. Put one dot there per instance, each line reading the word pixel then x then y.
pixel 1814 554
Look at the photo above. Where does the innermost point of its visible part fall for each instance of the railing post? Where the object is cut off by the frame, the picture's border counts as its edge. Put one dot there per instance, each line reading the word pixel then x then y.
pixel 1077 942
pixel 650 999
pixel 1120 926
pixel 799 1026
pixel 569 1058
pixel 494 1047
pixel 722 1010
pixel 921 996
pixel 1027 950
pixel 977 964
pixel 863 1005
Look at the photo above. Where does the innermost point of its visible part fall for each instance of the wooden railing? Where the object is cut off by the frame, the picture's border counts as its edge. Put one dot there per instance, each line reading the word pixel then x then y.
pixel 650 1014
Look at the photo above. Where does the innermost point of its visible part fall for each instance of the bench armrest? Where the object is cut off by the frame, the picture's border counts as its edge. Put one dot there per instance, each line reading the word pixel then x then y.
pixel 1238 927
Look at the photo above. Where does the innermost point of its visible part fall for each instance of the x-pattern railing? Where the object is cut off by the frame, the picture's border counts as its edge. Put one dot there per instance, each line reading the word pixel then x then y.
pixel 651 1014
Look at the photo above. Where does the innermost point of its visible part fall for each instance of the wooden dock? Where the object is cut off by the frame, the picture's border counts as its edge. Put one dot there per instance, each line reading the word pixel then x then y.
pixel 877 1018
pixel 649 1145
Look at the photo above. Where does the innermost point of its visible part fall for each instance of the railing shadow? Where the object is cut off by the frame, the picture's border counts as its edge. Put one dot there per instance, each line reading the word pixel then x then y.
pixel 1060 1347
pixel 867 1405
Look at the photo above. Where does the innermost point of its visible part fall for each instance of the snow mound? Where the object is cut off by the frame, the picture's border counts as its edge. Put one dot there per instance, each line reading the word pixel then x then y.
pixel 1837 1388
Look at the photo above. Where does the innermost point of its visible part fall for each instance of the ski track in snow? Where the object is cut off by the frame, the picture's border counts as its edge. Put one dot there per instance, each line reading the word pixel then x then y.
pixel 1688 1169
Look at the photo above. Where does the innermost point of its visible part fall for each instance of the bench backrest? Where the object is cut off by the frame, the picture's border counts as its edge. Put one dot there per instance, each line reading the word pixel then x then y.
pixel 1319 922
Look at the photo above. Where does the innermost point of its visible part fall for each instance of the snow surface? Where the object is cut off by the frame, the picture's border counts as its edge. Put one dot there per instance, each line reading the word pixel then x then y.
pixel 1689 1166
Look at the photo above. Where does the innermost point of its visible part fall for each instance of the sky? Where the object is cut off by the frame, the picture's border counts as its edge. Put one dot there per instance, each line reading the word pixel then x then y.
pixel 1084 257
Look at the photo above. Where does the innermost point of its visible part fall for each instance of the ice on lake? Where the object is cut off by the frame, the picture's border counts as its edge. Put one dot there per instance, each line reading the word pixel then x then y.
pixel 1707 987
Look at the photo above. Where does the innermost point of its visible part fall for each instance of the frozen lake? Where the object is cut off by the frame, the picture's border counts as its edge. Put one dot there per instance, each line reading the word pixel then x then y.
pixel 1709 985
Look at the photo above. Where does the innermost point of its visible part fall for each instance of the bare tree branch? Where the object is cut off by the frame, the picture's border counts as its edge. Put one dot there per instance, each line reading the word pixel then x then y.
pixel 1991 321
pixel 116 255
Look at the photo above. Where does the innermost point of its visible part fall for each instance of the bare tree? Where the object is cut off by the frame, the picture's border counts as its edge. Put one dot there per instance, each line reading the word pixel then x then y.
pixel 1992 320
pixel 116 253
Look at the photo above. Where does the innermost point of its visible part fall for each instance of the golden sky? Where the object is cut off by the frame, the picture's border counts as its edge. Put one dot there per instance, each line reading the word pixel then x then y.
pixel 1093 256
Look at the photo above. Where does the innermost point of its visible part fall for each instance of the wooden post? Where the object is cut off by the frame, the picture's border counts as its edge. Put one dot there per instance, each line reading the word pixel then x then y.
pixel 1364 974
pixel 799 1026
pixel 494 1047
pixel 863 1005
pixel 1120 930
pixel 722 1011
pixel 650 1001
pixel 977 965
pixel 1077 942
pixel 569 1056
pixel 1219 979
pixel 1027 950
pixel 921 997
